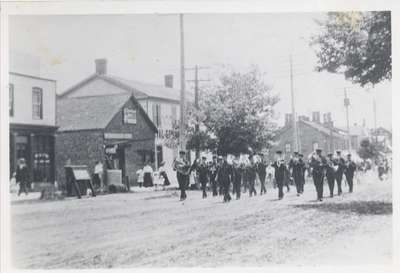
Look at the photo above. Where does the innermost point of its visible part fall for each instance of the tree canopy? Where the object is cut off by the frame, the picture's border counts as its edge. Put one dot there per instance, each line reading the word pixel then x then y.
pixel 357 44
pixel 239 112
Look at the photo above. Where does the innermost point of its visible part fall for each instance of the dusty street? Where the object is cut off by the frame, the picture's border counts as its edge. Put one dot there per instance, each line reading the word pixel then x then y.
pixel 155 229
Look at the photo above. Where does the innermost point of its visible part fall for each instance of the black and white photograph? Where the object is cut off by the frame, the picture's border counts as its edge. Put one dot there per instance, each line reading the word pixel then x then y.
pixel 198 139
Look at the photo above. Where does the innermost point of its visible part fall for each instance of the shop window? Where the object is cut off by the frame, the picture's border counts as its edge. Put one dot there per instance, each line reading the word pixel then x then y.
pixel 37 103
pixel 11 100
pixel 42 149
pixel 157 114
pixel 174 115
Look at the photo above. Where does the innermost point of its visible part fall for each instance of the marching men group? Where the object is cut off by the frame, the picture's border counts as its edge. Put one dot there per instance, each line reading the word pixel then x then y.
pixel 243 174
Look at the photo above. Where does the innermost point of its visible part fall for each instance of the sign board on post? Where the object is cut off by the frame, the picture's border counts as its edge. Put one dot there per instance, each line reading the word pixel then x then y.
pixel 129 116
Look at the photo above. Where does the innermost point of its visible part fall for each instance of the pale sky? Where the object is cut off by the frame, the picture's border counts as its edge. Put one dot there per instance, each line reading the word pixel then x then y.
pixel 146 47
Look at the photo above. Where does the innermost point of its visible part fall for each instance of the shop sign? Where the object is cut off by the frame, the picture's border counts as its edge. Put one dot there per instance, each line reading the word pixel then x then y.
pixel 129 116
pixel 117 136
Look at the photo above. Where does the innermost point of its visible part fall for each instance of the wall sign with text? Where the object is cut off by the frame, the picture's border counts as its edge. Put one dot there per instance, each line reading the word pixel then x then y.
pixel 129 116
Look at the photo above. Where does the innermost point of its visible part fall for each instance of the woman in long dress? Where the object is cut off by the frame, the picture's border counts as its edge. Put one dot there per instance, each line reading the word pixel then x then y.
pixel 148 176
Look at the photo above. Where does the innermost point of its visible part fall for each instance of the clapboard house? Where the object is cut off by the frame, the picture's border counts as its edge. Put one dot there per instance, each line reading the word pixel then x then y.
pixel 113 129
pixel 160 102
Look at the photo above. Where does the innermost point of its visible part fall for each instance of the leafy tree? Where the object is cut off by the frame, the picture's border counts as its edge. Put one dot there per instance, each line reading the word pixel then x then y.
pixel 239 112
pixel 368 149
pixel 357 44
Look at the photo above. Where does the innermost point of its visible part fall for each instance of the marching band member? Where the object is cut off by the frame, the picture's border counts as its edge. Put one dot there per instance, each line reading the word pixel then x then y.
pixel 349 171
pixel 318 163
pixel 330 173
pixel 182 168
pixel 280 169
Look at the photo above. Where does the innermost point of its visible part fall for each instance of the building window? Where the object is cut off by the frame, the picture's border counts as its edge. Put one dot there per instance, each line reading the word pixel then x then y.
pixel 37 103
pixel 315 146
pixel 159 154
pixel 287 147
pixel 11 100
pixel 157 114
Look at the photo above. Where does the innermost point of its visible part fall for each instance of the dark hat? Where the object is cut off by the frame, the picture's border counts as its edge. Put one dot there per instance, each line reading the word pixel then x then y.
pixel 296 153
pixel 300 155
pixel 182 152
pixel 318 150
pixel 278 152
pixel 338 152
pixel 330 154
pixel 214 156
pixel 260 154
pixel 204 157
pixel 348 155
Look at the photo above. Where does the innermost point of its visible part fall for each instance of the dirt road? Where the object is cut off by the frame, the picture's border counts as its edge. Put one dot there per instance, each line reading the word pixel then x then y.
pixel 155 229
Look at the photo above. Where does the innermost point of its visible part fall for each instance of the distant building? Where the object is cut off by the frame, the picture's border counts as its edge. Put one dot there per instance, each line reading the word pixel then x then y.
pixel 113 129
pixel 357 134
pixel 161 103
pixel 383 136
pixel 312 134
pixel 32 111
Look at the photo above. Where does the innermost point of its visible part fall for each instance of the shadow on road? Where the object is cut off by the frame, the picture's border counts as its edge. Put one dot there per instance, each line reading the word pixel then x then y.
pixel 359 207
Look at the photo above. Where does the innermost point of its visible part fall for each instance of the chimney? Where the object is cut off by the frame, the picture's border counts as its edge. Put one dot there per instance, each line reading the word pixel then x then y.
pixel 316 117
pixel 288 120
pixel 169 81
pixel 327 120
pixel 101 66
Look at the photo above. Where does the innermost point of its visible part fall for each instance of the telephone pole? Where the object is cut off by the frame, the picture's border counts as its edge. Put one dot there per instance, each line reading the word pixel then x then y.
pixel 196 102
pixel 295 136
pixel 346 105
pixel 182 95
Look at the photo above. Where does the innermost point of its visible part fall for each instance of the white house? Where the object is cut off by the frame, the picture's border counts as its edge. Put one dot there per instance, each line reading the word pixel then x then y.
pixel 32 111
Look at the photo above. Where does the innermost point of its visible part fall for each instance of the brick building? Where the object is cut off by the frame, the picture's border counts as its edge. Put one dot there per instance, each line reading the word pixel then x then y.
pixel 312 134
pixel 113 129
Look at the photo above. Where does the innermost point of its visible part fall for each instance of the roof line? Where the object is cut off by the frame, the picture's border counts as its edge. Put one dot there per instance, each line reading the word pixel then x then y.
pixel 30 76
pixel 137 104
pixel 120 84
pixel 77 85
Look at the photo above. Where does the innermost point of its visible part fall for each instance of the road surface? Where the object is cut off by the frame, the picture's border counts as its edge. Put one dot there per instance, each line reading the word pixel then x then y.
pixel 154 229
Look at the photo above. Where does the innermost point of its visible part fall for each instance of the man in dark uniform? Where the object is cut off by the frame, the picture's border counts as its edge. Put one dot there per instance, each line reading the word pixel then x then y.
pixel 262 173
pixel 182 168
pixel 340 163
pixel 349 172
pixel 252 173
pixel 296 169
pixel 303 170
pixel 224 177
pixel 220 186
pixel 238 169
pixel 330 173
pixel 280 168
pixel 318 163
pixel 212 168
pixel 202 171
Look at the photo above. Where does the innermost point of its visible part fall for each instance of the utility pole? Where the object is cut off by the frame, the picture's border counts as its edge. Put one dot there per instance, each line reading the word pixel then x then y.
pixel 295 142
pixel 375 126
pixel 346 105
pixel 196 102
pixel 182 95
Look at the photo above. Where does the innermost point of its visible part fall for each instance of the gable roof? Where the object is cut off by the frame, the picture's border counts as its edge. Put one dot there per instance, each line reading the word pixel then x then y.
pixel 138 89
pixel 94 112
pixel 319 127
